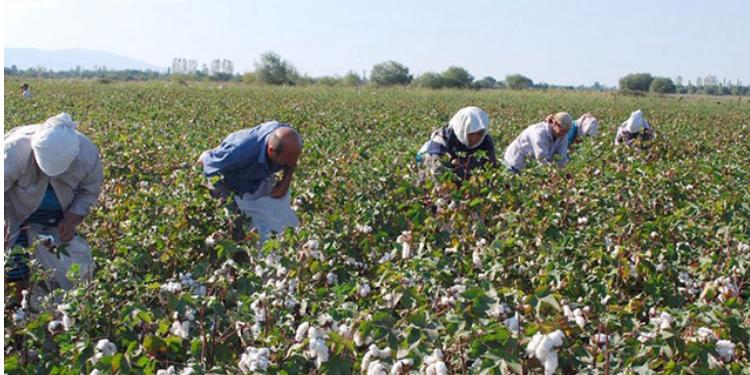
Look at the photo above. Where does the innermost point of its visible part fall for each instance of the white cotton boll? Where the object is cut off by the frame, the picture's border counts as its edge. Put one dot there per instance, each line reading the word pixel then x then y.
pixel 168 371
pixel 364 290
pixel 105 347
pixel 331 278
pixel 360 340
pixel 600 339
pixel 364 229
pixel 437 368
pixel 512 324
pixel 725 349
pixel 24 299
pixel 68 322
pixel 345 330
pixel 665 321
pixel 254 360
pixel 401 366
pixel 705 333
pixel 55 327
pixel 180 329
pixel 377 368
pixel 405 251
pixel 171 287
pixel 312 244
pixel 567 311
pixel 476 258
pixel 550 363
pixel 64 308
pixel 210 241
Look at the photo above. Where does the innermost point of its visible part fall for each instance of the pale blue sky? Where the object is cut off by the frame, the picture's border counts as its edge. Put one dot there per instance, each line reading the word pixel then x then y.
pixel 561 42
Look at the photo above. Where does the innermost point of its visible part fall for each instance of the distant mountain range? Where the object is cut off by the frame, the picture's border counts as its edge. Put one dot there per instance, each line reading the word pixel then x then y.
pixel 66 59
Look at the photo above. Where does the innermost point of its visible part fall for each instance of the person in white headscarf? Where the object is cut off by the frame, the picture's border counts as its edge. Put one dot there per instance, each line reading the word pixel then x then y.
pixel 541 142
pixel 635 127
pixel 52 178
pixel 467 133
pixel 586 126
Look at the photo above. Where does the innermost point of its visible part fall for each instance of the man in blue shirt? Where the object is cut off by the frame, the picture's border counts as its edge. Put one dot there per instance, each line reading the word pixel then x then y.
pixel 247 161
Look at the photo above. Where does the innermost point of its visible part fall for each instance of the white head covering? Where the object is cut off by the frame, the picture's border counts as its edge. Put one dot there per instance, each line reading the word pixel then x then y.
pixel 55 144
pixel 635 122
pixel 469 120
pixel 588 125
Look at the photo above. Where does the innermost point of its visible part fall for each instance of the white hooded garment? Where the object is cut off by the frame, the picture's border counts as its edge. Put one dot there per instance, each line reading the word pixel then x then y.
pixel 467 121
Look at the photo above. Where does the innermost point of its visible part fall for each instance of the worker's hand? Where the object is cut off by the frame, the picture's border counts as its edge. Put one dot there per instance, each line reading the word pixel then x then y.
pixel 67 226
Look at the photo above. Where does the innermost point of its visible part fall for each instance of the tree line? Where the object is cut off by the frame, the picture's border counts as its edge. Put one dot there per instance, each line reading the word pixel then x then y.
pixel 272 69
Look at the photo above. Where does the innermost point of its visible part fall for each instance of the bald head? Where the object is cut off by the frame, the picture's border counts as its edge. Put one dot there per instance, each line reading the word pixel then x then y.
pixel 284 146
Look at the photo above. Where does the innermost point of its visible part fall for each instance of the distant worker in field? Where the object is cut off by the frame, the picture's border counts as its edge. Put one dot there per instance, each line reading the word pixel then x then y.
pixel 53 177
pixel 635 127
pixel 586 126
pixel 456 144
pixel 542 142
pixel 25 90
pixel 248 161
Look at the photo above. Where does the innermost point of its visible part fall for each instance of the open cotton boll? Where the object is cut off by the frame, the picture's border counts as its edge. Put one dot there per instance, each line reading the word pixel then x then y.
pixel 401 366
pixel 180 329
pixel 512 324
pixel 364 290
pixel 476 258
pixel 24 299
pixel 377 368
pixel 301 331
pixel 543 347
pixel 725 349
pixel 168 371
pixel 705 334
pixel 171 287
pixel 254 360
pixel 55 327
pixel 106 347
pixel 317 346
pixel 364 229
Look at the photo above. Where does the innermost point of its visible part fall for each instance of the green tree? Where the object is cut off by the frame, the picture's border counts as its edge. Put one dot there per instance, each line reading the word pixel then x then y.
pixel 457 77
pixel 662 86
pixel 274 70
pixel 636 82
pixel 486 83
pixel 390 73
pixel 518 82
pixel 430 80
pixel 353 79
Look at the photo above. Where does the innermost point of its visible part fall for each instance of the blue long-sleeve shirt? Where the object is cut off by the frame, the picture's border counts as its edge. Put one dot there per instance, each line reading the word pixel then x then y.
pixel 241 158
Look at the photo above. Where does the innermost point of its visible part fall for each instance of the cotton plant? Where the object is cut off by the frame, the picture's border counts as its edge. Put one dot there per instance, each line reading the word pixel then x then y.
pixel 254 360
pixel 434 364
pixel 317 349
pixel 576 315
pixel 371 360
pixel 404 239
pixel 103 348
pixel 544 348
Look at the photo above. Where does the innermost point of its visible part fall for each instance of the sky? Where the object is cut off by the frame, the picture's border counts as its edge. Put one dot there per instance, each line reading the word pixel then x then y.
pixel 552 41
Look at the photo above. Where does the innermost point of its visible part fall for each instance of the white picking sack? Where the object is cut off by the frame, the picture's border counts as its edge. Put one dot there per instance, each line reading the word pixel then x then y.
pixel 268 214
pixel 78 252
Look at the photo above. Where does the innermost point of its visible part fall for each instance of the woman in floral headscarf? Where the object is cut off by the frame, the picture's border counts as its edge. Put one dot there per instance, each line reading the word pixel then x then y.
pixel 460 139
